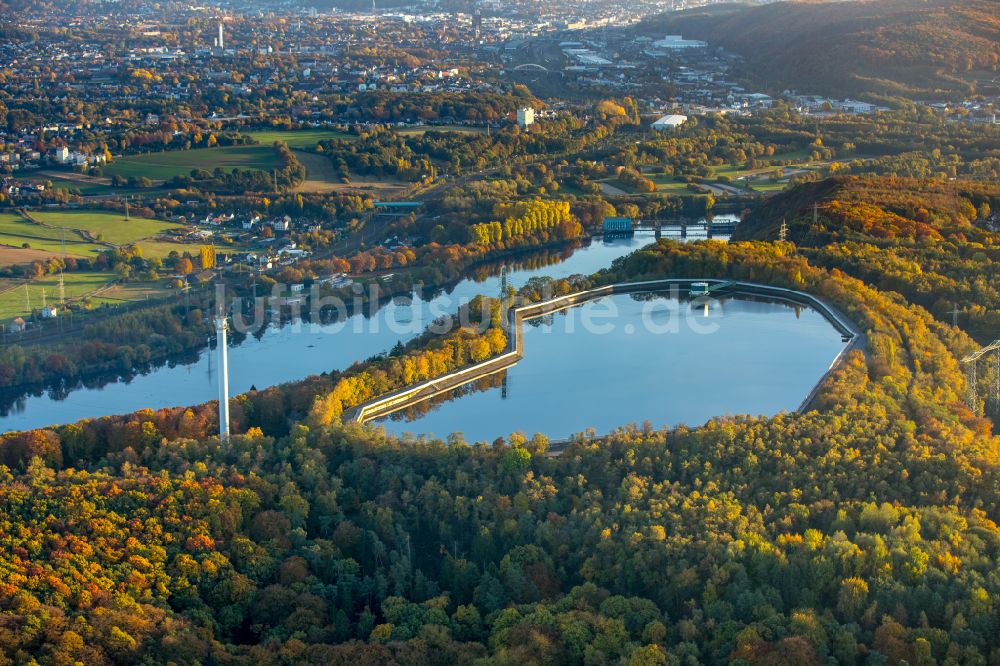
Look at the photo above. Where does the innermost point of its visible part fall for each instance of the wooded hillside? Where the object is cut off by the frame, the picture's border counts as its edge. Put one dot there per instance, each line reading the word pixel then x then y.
pixel 903 48
pixel 928 240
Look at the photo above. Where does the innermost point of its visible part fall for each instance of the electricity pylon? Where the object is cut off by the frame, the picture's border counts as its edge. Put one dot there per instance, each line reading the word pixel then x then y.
pixel 970 362
pixel 954 315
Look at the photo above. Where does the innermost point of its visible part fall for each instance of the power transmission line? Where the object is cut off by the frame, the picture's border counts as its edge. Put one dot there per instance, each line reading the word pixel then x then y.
pixel 972 379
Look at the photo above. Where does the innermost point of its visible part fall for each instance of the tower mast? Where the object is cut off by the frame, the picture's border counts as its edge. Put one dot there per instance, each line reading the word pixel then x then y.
pixel 221 328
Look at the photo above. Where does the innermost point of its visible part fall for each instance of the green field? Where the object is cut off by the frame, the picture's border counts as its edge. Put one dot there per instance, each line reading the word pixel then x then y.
pixel 300 139
pixel 734 173
pixel 156 248
pixel 669 185
pixel 166 165
pixel 112 227
pixel 767 186
pixel 16 231
pixel 13 302
pixel 107 226
pixel 795 156
pixel 85 188
pixel 132 291
pixel 461 129
pixel 614 182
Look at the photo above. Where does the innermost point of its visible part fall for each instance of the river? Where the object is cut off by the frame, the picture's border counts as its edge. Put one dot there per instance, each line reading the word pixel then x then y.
pixel 294 351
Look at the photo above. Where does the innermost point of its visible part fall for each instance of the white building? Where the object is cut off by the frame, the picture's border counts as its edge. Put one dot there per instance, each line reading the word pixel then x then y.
pixel 854 106
pixel 670 122
pixel 759 100
pixel 676 42
pixel 525 116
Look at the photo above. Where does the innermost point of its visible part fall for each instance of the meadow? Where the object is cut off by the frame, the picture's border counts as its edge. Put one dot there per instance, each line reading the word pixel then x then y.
pixel 166 165
pixel 14 300
pixel 664 183
pixel 15 231
pixel 47 232
pixel 85 185
pixel 423 129
pixel 109 227
pixel 117 294
pixel 305 139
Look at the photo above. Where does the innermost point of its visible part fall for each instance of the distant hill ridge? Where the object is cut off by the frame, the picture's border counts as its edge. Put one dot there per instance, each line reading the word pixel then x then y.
pixel 883 207
pixel 918 49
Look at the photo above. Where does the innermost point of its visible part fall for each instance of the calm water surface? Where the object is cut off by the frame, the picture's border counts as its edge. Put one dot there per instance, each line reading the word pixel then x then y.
pixel 292 352
pixel 747 356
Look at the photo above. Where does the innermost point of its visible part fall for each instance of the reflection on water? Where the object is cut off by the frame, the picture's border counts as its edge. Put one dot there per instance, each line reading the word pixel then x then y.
pixel 290 352
pixel 666 360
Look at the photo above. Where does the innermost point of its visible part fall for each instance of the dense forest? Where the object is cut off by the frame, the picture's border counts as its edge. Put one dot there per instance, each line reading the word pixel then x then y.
pixel 928 240
pixel 861 531
pixel 886 48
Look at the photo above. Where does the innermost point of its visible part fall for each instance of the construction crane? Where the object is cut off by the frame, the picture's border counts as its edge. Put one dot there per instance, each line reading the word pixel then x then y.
pixel 970 362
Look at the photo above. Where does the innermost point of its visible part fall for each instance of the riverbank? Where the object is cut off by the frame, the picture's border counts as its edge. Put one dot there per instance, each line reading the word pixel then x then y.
pixel 306 346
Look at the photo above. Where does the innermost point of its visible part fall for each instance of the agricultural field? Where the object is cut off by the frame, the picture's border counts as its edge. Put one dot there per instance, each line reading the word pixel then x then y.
pixel 768 186
pixel 321 177
pixel 160 249
pixel 166 165
pixel 669 185
pixel 133 291
pixel 14 301
pixel 44 236
pixel 664 185
pixel 423 129
pixel 794 156
pixel 305 139
pixel 6 284
pixel 86 185
pixel 15 231
pixel 760 179
pixel 106 226
pixel 734 173
pixel 13 256
pixel 65 232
